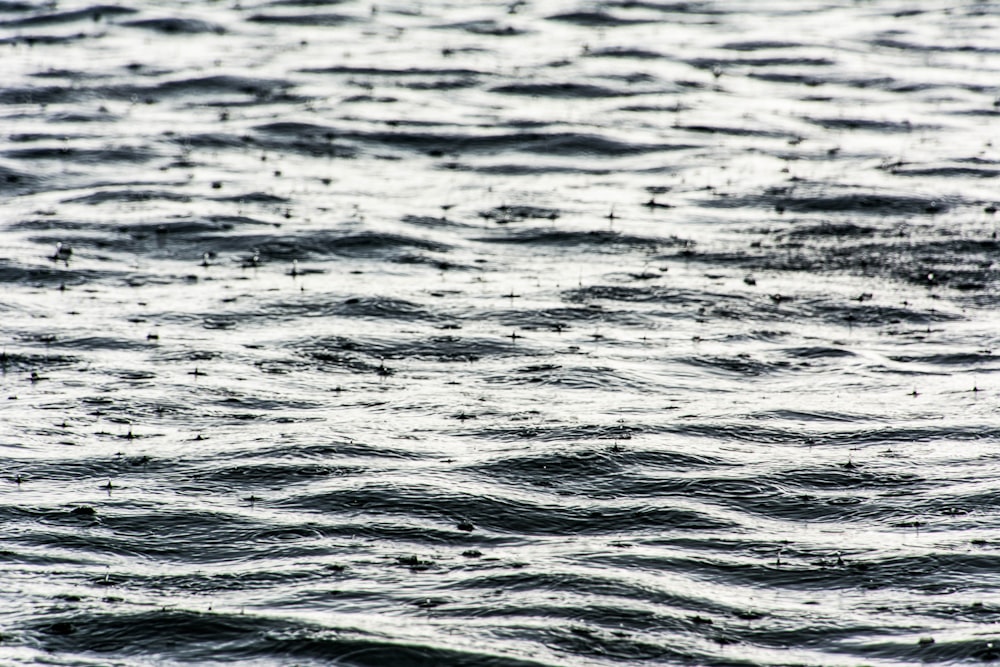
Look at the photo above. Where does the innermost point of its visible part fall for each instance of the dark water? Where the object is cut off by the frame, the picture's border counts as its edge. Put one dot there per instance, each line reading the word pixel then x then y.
pixel 469 333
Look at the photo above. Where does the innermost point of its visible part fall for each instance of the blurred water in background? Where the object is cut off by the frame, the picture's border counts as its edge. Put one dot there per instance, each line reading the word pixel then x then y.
pixel 472 333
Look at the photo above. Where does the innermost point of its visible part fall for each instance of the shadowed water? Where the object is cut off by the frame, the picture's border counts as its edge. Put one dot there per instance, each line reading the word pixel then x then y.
pixel 531 333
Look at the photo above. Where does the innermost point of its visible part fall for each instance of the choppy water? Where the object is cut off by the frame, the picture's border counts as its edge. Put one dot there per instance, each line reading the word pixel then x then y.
pixel 473 333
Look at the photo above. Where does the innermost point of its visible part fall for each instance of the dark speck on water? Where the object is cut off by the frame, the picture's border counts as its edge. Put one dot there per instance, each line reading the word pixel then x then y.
pixel 562 332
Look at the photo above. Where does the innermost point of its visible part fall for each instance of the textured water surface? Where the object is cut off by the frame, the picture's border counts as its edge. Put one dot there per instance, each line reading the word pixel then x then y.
pixel 474 333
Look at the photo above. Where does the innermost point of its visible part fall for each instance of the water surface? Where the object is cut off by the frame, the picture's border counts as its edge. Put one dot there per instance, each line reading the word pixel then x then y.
pixel 542 333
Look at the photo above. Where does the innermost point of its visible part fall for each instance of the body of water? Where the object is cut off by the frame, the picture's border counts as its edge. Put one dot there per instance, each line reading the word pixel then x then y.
pixel 475 333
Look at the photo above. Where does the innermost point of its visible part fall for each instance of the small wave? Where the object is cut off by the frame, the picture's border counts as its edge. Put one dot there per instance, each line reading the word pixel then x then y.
pixel 341 350
pixel 868 203
pixel 596 19
pixel 585 377
pixel 761 45
pixel 309 19
pixel 311 306
pixel 494 513
pixel 625 52
pixel 127 196
pixel 176 26
pixel 69 154
pixel 592 239
pixel 867 124
pixel 90 14
pixel 557 433
pixel 487 27
pixel 560 90
pixel 761 61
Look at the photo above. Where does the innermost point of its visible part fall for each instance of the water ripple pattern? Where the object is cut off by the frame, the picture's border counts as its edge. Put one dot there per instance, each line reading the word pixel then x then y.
pixel 544 332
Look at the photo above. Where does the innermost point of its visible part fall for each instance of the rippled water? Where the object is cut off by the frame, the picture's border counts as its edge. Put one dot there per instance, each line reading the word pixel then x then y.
pixel 473 333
